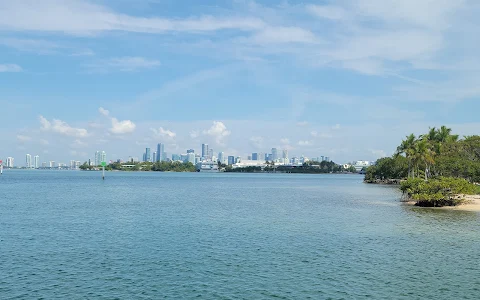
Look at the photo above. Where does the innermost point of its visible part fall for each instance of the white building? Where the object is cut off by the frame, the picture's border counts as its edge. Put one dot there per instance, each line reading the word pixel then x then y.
pixel 36 161
pixel 10 161
pixel 207 166
pixel 28 161
pixel 191 158
pixel 360 164
pixel 52 164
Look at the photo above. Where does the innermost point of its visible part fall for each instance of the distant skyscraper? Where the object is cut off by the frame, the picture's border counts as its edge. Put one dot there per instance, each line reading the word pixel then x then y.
pixel 231 160
pixel 327 158
pixel 52 164
pixel 36 161
pixel 10 162
pixel 254 156
pixel 97 159
pixel 266 156
pixel 176 157
pixel 148 156
pixel 191 157
pixel 221 157
pixel 210 153
pixel 285 154
pixel 249 157
pixel 261 156
pixel 103 157
pixel 204 150
pixel 28 161
pixel 274 154
pixel 323 158
pixel 154 156
pixel 190 151
pixel 160 152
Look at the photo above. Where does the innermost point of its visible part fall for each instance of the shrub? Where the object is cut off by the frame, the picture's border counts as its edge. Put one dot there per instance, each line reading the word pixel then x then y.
pixel 437 192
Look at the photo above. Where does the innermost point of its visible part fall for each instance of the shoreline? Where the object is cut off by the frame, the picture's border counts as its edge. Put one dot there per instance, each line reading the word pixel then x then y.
pixel 472 204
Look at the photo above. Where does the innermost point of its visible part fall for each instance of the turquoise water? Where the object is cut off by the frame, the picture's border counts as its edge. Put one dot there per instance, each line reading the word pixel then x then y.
pixel 70 235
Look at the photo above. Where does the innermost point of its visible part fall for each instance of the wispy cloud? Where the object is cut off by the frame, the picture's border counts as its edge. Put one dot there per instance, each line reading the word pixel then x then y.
pixel 85 18
pixel 10 68
pixel 123 64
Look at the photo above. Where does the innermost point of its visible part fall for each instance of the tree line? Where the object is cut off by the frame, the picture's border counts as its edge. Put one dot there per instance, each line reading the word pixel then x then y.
pixel 432 168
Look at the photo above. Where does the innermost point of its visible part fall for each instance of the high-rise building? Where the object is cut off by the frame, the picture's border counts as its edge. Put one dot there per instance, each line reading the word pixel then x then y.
pixel 285 154
pixel 231 160
pixel 327 158
pixel 97 159
pixel 267 156
pixel 44 164
pixel 10 162
pixel 274 154
pixel 261 156
pixel 72 164
pixel 210 153
pixel 160 152
pixel 52 164
pixel 323 158
pixel 191 157
pixel 103 157
pixel 176 157
pixel 28 161
pixel 249 157
pixel 36 161
pixel 221 157
pixel 148 156
pixel 204 150
pixel 254 156
pixel 190 151
pixel 154 156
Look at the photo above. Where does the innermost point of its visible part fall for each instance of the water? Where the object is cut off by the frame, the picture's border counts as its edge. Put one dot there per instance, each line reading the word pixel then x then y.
pixel 69 235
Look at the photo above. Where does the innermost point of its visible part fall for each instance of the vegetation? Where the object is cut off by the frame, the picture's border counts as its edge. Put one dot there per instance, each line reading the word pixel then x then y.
pixel 437 165
pixel 163 166
pixel 441 191
pixel 313 167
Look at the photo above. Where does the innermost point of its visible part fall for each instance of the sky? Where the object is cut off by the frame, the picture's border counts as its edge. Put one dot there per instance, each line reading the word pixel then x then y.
pixel 346 79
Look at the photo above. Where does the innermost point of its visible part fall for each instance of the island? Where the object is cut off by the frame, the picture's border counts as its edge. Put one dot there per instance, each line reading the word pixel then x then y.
pixel 436 169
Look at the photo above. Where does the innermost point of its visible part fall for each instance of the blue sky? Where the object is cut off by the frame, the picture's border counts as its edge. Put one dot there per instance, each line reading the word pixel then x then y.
pixel 346 79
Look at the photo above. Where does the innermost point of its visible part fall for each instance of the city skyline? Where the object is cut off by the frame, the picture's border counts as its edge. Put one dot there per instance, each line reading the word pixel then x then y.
pixel 344 79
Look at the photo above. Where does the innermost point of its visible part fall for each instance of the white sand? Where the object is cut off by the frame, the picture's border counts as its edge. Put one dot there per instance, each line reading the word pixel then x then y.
pixel 472 204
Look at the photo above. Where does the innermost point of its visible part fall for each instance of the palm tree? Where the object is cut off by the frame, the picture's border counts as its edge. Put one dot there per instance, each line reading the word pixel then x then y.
pixel 407 147
pixel 423 154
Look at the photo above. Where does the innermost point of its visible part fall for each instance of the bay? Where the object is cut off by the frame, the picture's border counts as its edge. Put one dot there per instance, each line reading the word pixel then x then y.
pixel 70 235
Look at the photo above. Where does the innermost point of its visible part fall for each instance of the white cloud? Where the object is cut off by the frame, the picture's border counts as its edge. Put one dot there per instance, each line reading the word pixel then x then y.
pixel 10 68
pixel 122 127
pixel 279 35
pixel 118 127
pixel 23 138
pixel 285 141
pixel 123 64
pixel 79 17
pixel 218 131
pixel 163 133
pixel 194 134
pixel 305 143
pixel 61 127
pixel 78 144
pixel 103 111
pixel 30 45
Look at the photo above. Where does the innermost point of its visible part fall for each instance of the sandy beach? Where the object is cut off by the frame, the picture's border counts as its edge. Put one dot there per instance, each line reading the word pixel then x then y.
pixel 473 204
